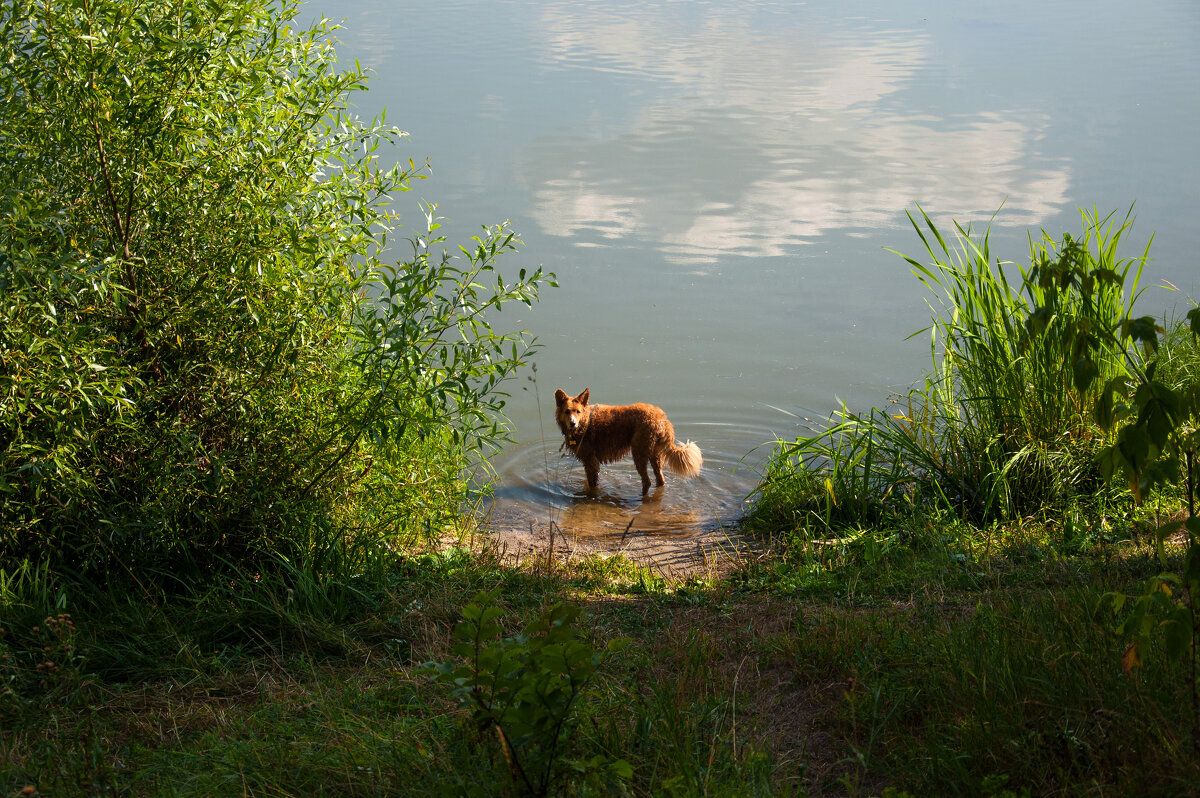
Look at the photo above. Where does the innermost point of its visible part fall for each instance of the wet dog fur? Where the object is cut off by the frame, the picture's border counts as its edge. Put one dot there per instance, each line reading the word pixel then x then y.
pixel 598 434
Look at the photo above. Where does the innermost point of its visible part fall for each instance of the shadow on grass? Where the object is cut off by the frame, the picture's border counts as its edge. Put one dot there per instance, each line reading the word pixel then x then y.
pixel 917 670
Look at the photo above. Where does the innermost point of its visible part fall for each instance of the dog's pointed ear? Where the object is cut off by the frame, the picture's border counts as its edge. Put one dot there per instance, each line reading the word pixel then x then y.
pixel 560 396
pixel 583 397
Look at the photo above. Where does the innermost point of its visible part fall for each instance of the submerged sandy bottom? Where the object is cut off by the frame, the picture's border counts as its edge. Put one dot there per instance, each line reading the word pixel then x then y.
pixel 682 529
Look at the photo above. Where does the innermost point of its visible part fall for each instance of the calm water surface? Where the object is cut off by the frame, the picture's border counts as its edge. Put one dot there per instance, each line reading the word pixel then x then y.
pixel 716 185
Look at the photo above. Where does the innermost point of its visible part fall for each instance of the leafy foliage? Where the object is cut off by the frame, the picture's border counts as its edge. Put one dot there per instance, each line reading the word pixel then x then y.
pixel 1157 424
pixel 525 688
pixel 193 364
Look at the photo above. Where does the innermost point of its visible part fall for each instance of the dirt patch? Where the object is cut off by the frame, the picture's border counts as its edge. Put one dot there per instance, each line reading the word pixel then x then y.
pixel 748 652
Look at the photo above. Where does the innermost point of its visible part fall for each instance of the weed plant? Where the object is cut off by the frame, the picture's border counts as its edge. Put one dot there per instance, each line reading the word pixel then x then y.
pixel 525 689
pixel 1176 365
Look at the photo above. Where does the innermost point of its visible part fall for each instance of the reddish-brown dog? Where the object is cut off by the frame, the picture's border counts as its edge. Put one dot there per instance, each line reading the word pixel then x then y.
pixel 598 434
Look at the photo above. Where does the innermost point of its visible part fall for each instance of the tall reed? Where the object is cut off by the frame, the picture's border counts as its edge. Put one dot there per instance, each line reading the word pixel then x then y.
pixel 998 427
pixel 1005 373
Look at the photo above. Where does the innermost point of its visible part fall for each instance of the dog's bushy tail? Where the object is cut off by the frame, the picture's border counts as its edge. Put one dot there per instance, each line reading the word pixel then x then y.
pixel 685 460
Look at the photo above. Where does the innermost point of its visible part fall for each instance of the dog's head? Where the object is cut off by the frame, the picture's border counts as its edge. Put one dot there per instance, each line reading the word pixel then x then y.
pixel 571 413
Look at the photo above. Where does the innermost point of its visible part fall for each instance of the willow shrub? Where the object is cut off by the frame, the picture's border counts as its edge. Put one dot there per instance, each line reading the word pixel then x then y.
pixel 1001 426
pixel 203 354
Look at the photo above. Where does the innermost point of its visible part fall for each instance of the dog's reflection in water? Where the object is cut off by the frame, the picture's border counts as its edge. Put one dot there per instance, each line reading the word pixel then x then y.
pixel 605 516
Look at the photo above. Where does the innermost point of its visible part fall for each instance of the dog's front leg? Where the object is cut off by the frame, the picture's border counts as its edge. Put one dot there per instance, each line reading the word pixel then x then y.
pixel 593 475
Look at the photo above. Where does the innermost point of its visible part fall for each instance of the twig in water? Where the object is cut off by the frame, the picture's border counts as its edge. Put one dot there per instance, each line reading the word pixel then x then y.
pixel 537 397
pixel 621 542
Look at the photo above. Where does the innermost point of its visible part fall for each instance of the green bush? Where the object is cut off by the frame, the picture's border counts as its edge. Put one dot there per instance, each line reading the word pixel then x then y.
pixel 203 355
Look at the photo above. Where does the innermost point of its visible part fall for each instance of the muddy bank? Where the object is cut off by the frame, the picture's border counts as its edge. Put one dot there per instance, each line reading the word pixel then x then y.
pixel 674 541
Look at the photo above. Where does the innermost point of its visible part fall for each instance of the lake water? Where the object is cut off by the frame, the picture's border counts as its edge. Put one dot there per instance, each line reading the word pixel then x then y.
pixel 716 185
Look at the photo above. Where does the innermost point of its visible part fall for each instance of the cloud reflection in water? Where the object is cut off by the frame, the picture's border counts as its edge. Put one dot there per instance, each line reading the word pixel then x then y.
pixel 756 133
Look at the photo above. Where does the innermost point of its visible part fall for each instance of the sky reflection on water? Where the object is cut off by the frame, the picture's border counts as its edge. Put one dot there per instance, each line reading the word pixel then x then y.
pixel 718 184
pixel 758 139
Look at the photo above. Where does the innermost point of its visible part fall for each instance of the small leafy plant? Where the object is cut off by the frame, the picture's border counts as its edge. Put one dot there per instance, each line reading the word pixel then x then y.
pixel 525 689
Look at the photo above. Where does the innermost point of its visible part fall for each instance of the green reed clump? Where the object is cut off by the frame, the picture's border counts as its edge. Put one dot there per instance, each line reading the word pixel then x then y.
pixel 998 428
pixel 1177 362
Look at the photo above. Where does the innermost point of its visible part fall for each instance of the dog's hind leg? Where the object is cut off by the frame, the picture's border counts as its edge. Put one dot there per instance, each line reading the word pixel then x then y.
pixel 656 461
pixel 639 460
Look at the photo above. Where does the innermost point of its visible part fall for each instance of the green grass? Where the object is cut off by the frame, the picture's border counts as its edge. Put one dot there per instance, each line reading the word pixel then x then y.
pixel 1178 359
pixel 243 503
pixel 938 667
pixel 246 684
